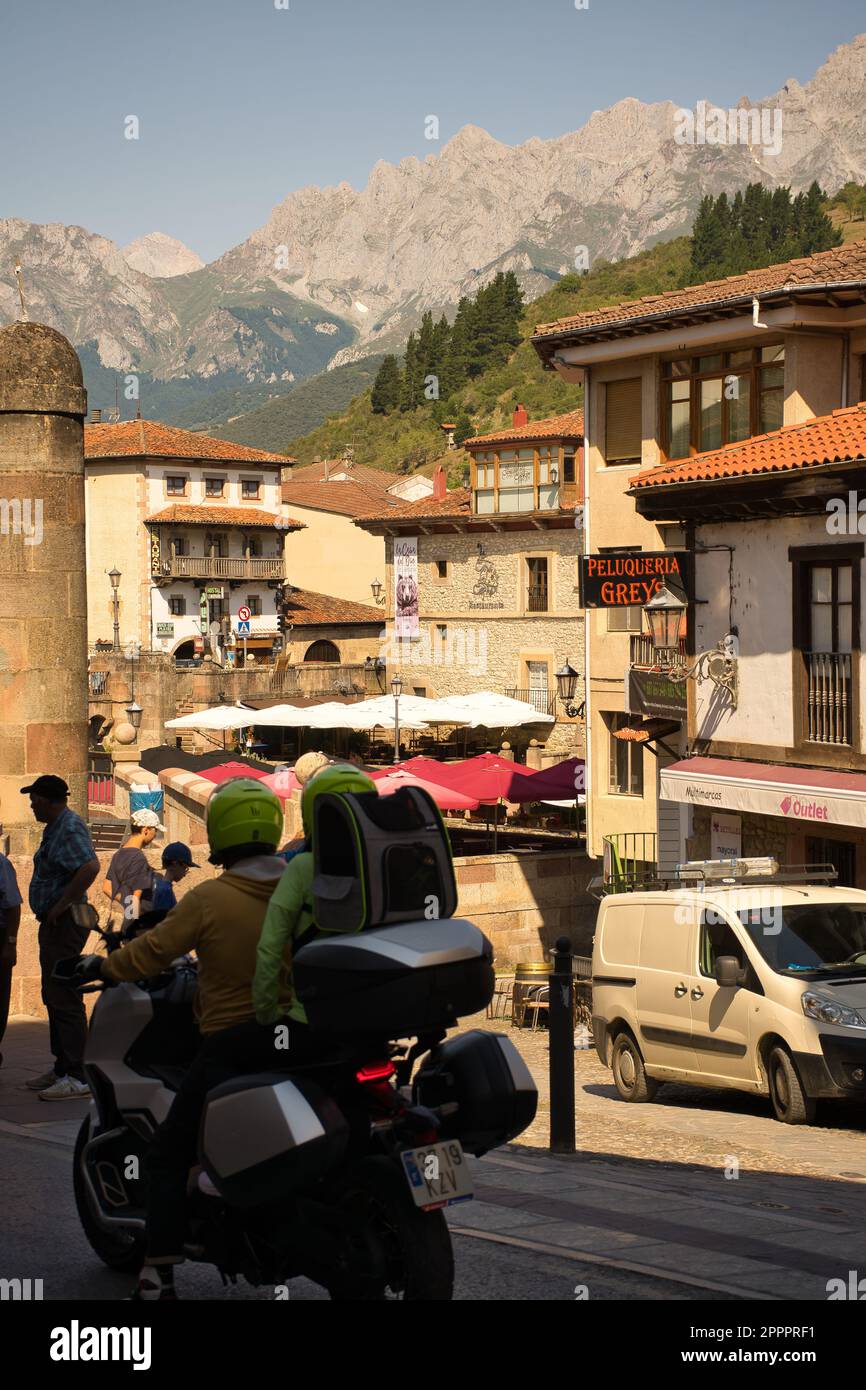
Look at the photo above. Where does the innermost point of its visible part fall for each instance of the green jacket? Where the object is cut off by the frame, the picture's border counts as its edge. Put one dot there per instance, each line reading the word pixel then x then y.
pixel 289 916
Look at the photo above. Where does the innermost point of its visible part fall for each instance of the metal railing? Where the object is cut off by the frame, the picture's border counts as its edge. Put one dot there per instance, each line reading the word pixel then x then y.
pixel 828 697
pixel 98 683
pixel 647 657
pixel 326 680
pixel 223 567
pixel 100 789
pixel 536 598
pixel 542 700
pixel 630 858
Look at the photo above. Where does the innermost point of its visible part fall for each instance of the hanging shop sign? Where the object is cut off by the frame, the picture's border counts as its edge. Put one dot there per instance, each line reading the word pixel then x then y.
pixel 631 580
pixel 653 693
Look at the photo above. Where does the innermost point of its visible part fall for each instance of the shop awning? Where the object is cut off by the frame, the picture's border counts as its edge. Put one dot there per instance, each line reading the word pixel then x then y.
pixel 805 796
pixel 639 730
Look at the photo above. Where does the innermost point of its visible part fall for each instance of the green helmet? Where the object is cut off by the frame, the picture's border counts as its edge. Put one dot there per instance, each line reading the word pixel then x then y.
pixel 243 812
pixel 340 777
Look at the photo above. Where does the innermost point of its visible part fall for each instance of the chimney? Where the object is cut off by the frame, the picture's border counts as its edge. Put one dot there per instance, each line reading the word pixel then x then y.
pixel 327 470
pixel 520 417
pixel 440 483
pixel 96 417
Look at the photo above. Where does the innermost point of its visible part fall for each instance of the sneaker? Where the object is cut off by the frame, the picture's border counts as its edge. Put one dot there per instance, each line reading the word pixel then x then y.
pixel 151 1288
pixel 41 1083
pixel 66 1088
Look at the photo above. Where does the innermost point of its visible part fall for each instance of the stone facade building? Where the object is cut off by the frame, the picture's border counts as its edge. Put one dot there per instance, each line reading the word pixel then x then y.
pixel 496 569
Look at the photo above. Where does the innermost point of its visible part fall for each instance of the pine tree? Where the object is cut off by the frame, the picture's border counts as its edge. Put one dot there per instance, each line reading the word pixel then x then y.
pixel 385 395
pixel 457 362
pixel 412 393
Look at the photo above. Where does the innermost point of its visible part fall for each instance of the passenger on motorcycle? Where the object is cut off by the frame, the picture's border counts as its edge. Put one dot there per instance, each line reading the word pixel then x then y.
pixel 289 919
pixel 221 920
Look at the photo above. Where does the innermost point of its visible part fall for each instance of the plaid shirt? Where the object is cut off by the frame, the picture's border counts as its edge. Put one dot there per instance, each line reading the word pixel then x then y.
pixel 65 847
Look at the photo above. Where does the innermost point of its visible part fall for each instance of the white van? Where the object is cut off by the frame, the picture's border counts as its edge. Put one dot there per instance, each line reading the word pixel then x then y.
pixel 745 980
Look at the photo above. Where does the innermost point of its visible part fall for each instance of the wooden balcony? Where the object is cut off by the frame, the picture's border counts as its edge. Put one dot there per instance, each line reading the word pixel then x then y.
pixel 828 697
pixel 223 567
pixel 645 657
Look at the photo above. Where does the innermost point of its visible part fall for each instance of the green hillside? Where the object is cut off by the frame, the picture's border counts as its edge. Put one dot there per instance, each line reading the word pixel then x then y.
pixel 413 438
pixel 302 408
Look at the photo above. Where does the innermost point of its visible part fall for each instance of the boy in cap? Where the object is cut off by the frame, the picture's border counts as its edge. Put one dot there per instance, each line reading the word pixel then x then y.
pixel 130 879
pixel 176 863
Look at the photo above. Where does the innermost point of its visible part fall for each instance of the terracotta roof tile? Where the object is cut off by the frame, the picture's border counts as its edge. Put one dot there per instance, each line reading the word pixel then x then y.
pixel 149 439
pixel 354 499
pixel 304 607
pixel 192 515
pixel 379 478
pixel 457 503
pixel 565 426
pixel 836 438
pixel 841 264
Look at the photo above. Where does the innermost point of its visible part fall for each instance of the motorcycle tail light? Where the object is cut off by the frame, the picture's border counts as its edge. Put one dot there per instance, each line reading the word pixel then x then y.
pixel 375 1071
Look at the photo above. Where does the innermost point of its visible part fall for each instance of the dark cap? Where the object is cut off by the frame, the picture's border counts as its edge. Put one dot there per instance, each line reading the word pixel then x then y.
pixel 178 853
pixel 49 786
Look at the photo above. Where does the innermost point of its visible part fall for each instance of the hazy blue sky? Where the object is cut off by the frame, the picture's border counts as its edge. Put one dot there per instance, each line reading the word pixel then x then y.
pixel 239 102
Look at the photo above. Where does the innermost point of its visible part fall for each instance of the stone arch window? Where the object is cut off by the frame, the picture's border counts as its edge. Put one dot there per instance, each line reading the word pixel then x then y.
pixel 322 651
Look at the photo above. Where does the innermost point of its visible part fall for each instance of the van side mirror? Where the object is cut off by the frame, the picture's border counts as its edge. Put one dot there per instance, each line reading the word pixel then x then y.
pixel 729 973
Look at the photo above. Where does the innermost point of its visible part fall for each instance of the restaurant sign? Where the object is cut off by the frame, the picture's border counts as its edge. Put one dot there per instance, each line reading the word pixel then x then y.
pixel 655 694
pixel 630 580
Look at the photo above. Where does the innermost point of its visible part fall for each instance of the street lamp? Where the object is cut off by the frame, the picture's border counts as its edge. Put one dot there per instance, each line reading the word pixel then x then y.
pixel 114 580
pixel 566 684
pixel 378 596
pixel 718 665
pixel 396 691
pixel 134 712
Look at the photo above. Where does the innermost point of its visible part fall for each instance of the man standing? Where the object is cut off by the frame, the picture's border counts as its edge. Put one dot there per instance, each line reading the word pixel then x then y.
pixel 64 866
pixel 10 917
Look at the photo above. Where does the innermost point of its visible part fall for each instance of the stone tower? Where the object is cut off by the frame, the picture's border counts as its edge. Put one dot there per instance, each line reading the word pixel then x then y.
pixel 43 594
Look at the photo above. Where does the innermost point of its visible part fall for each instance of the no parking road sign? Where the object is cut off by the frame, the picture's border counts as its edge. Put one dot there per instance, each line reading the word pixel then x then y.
pixel 244 613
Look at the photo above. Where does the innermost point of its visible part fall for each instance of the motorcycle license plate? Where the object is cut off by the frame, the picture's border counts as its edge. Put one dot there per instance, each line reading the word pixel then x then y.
pixel 438 1175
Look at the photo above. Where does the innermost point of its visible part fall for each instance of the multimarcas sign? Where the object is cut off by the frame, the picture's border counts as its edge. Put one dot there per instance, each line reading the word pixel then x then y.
pixel 629 580
pixel 804 805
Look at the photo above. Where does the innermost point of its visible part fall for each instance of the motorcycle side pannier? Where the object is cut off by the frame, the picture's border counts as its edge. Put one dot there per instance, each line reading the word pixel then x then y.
pixel 395 981
pixel 489 1081
pixel 263 1137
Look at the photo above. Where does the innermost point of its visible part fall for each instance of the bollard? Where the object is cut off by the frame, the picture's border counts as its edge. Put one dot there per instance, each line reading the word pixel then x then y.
pixel 561 1042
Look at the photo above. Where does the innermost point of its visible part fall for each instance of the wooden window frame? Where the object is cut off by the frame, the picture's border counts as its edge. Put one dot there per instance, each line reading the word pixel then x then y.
pixel 802 558
pixel 182 477
pixel 244 482
pixel 553 446
pixel 211 478
pixel 754 370
pixel 634 750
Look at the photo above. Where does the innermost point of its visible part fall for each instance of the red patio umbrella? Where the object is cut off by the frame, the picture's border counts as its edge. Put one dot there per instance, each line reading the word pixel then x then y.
pixel 223 772
pixel 446 798
pixel 488 778
pixel 564 781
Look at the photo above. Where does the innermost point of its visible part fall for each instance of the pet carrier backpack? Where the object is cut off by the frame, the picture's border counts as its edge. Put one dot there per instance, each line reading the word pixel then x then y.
pixel 378 860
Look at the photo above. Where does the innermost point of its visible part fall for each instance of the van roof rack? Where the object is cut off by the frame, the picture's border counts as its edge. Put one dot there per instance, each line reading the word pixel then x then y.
pixel 721 873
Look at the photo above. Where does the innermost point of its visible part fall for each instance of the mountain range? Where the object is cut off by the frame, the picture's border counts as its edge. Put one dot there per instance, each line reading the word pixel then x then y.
pixel 336 274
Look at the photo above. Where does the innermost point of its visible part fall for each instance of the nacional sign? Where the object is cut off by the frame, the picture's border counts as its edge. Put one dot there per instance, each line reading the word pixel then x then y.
pixel 629 580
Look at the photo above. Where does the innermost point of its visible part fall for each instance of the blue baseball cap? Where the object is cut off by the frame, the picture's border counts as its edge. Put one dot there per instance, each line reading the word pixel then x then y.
pixel 178 853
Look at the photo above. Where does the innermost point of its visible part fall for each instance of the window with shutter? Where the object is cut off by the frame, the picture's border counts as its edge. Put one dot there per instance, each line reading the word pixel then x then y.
pixel 622 421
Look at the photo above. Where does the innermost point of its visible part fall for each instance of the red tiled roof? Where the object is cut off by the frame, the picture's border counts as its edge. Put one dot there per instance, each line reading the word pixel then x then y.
pixel 354 499
pixel 306 608
pixel 148 439
pixel 836 438
pixel 360 472
pixel 837 266
pixel 192 515
pixel 457 503
pixel 556 427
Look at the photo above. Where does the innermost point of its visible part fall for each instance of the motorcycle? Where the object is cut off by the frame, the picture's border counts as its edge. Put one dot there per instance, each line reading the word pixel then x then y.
pixel 338 1170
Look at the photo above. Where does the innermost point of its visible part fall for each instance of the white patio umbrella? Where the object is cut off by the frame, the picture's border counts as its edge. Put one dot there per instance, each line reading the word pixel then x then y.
pixel 221 717
pixel 485 709
pixel 415 711
pixel 329 715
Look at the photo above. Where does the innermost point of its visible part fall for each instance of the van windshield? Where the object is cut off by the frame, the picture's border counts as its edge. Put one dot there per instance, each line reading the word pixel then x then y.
pixel 810 940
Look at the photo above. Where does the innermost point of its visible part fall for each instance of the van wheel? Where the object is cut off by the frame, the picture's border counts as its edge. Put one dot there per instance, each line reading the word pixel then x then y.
pixel 791 1105
pixel 629 1073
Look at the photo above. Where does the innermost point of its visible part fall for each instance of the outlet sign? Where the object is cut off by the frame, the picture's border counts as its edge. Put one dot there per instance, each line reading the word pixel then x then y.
pixel 630 580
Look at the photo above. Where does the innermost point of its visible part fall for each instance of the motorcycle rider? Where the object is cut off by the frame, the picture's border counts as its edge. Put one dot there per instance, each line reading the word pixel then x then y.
pixel 221 921
pixel 289 918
